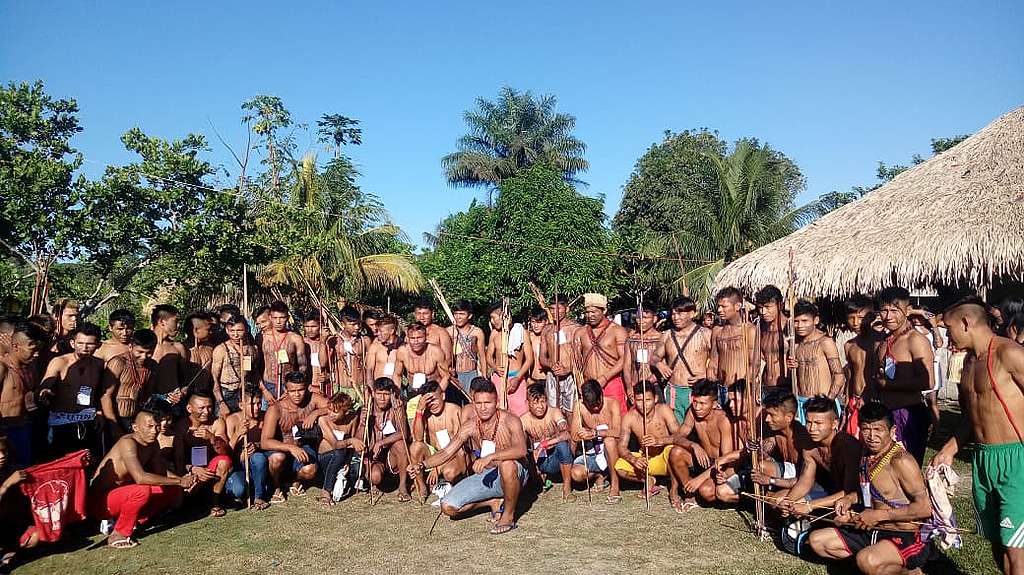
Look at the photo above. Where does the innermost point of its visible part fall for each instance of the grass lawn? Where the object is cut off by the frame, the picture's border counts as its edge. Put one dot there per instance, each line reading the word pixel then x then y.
pixel 392 537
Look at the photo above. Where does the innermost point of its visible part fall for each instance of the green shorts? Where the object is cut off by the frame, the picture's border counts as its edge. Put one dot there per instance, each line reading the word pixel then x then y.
pixel 678 398
pixel 999 492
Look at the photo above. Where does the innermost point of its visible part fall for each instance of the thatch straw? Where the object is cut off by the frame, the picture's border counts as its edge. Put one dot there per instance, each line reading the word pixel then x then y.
pixel 955 220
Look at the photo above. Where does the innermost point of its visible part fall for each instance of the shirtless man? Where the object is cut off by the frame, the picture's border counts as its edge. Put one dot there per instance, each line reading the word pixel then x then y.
pixel 72 387
pixel 499 475
pixel 598 425
pixel 556 357
pixel 244 428
pixel 653 424
pixel 18 388
pixel 643 351
pixel 734 354
pixel 283 352
pixel 854 310
pixel 601 347
pixel 132 483
pixel 885 537
pixel 786 440
pixel 684 355
pixel 516 357
pixel 419 361
pixel 772 339
pixel 537 325
pixel 469 348
pixel 200 344
pixel 282 438
pixel 122 325
pixel 342 440
pixel 436 334
pixel 816 359
pixel 65 313
pixel 351 350
pixel 171 357
pixel 861 354
pixel 388 438
pixel 693 463
pixel 435 424
pixel 382 353
pixel 317 351
pixel 906 364
pixel 992 397
pixel 231 360
pixel 548 434
pixel 201 448
pixel 128 383
pixel 830 463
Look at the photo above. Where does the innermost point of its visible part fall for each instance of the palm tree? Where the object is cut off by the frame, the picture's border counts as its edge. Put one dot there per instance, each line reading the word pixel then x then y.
pixel 737 204
pixel 512 133
pixel 333 240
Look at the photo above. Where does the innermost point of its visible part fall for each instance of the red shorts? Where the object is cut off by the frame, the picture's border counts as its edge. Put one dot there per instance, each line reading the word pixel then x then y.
pixel 616 390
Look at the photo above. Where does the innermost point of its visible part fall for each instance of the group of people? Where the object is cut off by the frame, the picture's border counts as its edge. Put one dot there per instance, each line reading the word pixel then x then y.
pixel 202 411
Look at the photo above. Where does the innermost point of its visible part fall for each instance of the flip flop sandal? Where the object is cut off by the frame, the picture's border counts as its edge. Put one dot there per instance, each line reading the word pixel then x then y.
pixel 404 498
pixel 571 498
pixel 500 529
pixel 7 558
pixel 654 492
pixel 259 505
pixel 297 490
pixel 217 511
pixel 689 506
pixel 126 543
pixel 495 516
pixel 325 500
pixel 614 499
pixel 278 497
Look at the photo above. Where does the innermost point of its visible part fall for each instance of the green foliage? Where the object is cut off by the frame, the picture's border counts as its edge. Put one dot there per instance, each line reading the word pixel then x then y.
pixel 513 133
pixel 692 198
pixel 540 229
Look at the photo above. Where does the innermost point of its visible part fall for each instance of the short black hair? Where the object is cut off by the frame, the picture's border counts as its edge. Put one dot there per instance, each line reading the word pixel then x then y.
pixel 229 308
pixel 538 314
pixel 144 338
pixel 592 393
pixel 804 307
pixel 162 311
pixel 295 377
pixel 312 315
pixel 32 331
pixel 767 294
pixel 122 315
pixel 279 307
pixel 1012 310
pixel 648 307
pixel 423 304
pixel 780 399
pixel 821 404
pixel 683 304
pixel 704 388
pixel 429 387
pixel 891 295
pixel 87 329
pixel 857 303
pixel 260 311
pixel 481 385
pixel 873 411
pixel 729 292
pixel 462 305
pixel 384 384
pixel 536 391
pixel 640 387
pixel 350 314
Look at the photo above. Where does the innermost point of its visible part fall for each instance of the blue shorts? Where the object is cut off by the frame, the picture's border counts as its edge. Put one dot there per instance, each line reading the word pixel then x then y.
pixel 592 465
pixel 480 487
pixel 559 454
pixel 314 457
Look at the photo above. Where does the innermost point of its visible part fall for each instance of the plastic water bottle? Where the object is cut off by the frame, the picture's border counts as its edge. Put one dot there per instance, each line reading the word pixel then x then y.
pixel 340 484
pixel 106 527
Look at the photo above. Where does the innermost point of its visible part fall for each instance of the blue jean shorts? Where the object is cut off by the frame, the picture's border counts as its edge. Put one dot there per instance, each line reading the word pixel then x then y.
pixel 480 487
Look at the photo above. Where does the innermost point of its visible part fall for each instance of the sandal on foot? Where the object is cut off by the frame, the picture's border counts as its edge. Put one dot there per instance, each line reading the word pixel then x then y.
pixel 297 490
pixel 126 543
pixel 500 529
pixel 653 492
pixel 614 499
pixel 278 497
pixel 404 498
pixel 496 515
pixel 217 511
pixel 326 500
pixel 259 505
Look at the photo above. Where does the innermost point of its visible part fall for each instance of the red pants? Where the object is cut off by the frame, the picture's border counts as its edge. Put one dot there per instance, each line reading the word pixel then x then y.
pixel 132 504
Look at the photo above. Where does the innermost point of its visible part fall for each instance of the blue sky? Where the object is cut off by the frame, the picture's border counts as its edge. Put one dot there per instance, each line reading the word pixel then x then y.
pixel 836 86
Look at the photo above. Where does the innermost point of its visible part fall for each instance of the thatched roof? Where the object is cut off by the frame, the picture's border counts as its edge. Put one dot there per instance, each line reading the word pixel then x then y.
pixel 956 219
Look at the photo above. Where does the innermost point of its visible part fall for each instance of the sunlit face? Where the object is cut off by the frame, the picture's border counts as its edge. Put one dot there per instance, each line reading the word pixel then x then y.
pixel 417 341
pixel 263 322
pixel 279 320
pixel 373 325
pixel 877 436
pixel 702 405
pixel 538 406
pixel 681 318
pixel 559 311
pixel 339 411
pixel 201 329
pixel 140 354
pixel 497 322
pixel 69 319
pixel 236 332
pixel 435 401
pixel 252 410
pixel 121 332
pixel 647 320
pixel 386 331
pixel 146 428
pixel 462 317
pixel 311 329
pixel 893 315
pixel 804 324
pixel 777 418
pixel 821 426
pixel 593 315
pixel 84 345
pixel 728 309
pixel 423 315
pixel 351 328
pixel 296 391
pixel 486 404
pixel 382 399
pixel 537 325
pixel 200 409
pixel 769 311
pixel 853 320
pixel 23 349
pixel 645 402
pixel 957 326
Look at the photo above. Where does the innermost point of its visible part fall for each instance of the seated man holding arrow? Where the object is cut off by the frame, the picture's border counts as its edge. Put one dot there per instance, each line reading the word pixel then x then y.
pixel 435 424
pixel 499 444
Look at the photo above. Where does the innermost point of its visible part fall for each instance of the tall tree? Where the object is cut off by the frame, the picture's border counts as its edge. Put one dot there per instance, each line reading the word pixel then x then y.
pixel 513 133
pixel 39 196
pixel 267 116
pixel 338 130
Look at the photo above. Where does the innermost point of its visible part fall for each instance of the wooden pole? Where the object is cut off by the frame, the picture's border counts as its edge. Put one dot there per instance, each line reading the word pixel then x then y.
pixel 791 336
pixel 682 266
pixel 245 290
pixel 641 344
pixel 245 422
pixel 577 375
pixel 506 329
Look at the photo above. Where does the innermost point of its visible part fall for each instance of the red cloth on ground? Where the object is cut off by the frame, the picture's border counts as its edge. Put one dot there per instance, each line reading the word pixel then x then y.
pixel 132 504
pixel 56 492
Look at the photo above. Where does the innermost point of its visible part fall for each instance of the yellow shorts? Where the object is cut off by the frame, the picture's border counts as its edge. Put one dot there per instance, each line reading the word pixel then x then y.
pixel 411 406
pixel 658 465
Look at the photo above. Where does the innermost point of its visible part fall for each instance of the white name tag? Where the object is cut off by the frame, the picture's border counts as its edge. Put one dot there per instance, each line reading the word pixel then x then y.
pixel 199 458
pixel 443 439
pixel 602 427
pixel 84 395
pixel 389 428
pixel 389 369
pixel 641 356
pixel 30 401
pixel 282 356
pixel 865 494
pixel 418 379
pixel 487 448
pixel 347 346
pixel 246 363
pixel 602 460
pixel 295 431
pixel 339 435
pixel 562 338
pixel 314 359
pixel 458 349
